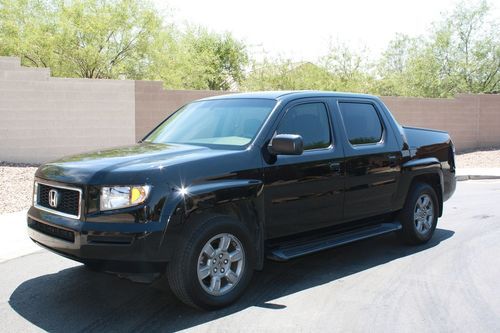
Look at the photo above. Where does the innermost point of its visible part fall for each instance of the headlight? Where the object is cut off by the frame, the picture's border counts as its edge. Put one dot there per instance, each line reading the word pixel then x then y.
pixel 115 197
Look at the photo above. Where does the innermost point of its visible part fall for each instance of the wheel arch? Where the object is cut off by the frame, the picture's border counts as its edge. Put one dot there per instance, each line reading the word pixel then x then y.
pixel 425 170
pixel 241 200
pixel 435 182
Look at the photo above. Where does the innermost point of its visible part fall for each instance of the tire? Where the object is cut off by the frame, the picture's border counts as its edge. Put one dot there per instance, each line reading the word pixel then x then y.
pixel 212 277
pixel 419 215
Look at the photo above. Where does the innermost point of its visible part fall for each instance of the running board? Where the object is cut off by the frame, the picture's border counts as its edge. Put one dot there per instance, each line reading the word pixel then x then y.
pixel 293 249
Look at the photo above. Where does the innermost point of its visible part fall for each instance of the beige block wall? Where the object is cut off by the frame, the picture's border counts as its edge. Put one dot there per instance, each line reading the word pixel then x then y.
pixel 44 118
pixel 473 121
pixel 458 116
pixel 153 104
pixel 489 120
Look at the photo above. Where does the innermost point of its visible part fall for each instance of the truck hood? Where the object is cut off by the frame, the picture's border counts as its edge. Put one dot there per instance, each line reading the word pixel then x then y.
pixel 128 164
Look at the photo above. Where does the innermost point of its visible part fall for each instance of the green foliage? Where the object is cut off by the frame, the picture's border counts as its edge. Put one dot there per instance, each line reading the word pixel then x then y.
pixel 350 70
pixel 117 38
pixel 91 38
pixel 468 46
pixel 285 75
pixel 341 70
pixel 198 59
pixel 129 38
pixel 460 55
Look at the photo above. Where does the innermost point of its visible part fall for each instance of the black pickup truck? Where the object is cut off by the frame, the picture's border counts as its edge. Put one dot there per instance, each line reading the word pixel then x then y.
pixel 227 181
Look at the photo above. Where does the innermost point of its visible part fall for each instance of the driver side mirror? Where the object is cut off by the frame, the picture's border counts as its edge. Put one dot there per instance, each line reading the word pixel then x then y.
pixel 286 144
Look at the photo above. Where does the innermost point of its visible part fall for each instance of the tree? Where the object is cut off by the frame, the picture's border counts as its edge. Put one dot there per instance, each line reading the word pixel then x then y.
pixel 287 75
pixel 461 55
pixel 214 61
pixel 118 38
pixel 349 68
pixel 224 58
pixel 393 67
pixel 198 59
pixel 82 38
pixel 128 38
pixel 342 70
pixel 467 44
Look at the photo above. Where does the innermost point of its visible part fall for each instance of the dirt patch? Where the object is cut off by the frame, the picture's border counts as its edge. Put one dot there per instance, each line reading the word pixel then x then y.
pixel 16 186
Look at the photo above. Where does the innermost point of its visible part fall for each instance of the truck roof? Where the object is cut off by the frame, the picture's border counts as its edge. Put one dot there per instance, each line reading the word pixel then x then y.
pixel 285 94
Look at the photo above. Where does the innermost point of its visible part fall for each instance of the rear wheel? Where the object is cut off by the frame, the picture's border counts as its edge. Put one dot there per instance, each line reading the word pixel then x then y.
pixel 213 264
pixel 419 215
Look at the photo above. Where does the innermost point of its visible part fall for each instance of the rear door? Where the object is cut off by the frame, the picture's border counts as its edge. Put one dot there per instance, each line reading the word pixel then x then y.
pixel 373 158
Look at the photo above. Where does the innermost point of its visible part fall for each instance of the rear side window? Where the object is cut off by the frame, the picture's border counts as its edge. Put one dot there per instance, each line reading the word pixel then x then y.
pixel 309 121
pixel 361 122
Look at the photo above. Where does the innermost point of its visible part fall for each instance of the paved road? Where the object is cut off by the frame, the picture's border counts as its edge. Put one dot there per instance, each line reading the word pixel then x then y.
pixel 450 284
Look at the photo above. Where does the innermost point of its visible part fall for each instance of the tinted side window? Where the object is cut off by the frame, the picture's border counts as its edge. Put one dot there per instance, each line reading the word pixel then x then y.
pixel 309 121
pixel 361 122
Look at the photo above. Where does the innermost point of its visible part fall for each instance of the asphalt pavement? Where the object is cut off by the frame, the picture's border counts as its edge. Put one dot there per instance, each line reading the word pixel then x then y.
pixel 451 284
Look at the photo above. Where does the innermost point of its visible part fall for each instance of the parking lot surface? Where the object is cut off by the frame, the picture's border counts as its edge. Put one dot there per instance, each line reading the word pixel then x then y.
pixel 451 284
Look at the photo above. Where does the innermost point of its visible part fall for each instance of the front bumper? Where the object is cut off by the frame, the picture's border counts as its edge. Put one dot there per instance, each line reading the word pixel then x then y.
pixel 112 246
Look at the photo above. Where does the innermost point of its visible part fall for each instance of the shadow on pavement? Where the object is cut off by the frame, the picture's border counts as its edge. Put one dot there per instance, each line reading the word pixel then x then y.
pixel 76 299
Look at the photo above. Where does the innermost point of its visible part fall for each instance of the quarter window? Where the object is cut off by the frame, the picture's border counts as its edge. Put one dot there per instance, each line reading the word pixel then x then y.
pixel 309 121
pixel 361 122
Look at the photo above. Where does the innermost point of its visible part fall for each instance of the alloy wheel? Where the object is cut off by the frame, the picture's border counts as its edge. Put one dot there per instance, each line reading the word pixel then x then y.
pixel 423 214
pixel 220 264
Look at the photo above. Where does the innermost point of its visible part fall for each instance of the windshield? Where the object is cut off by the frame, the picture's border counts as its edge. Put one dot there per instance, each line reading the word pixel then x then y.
pixel 224 122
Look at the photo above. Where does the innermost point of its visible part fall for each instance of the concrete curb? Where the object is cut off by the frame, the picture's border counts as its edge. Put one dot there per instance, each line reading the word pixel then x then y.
pixel 476 177
pixel 15 242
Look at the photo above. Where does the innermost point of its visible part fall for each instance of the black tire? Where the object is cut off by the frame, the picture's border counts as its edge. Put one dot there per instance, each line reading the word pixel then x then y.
pixel 412 231
pixel 182 271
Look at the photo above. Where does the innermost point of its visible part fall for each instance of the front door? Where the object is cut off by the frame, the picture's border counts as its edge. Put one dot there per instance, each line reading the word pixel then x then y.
pixel 305 192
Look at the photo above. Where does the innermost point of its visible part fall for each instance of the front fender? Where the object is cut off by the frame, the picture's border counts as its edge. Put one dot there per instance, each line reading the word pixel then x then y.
pixel 245 195
pixel 210 194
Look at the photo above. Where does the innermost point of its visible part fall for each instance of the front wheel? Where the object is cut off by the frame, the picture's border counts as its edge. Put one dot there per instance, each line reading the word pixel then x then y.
pixel 419 215
pixel 214 265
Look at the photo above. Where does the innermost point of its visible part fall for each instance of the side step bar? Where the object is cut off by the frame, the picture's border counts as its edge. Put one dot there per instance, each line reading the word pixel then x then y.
pixel 293 249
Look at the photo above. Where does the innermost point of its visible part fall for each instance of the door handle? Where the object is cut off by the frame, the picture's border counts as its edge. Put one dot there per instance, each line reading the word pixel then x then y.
pixel 393 160
pixel 334 166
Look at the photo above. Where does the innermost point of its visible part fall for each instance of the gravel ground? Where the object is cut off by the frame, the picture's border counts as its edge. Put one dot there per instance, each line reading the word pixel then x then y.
pixel 16 186
pixel 16 180
pixel 479 159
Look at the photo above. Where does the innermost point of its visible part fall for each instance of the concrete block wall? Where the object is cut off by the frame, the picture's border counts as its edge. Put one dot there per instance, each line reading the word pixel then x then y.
pixel 456 116
pixel 473 121
pixel 44 118
pixel 489 120
pixel 153 104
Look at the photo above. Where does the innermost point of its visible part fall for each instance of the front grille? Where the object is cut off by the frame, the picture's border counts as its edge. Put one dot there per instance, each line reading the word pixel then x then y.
pixel 68 200
pixel 51 230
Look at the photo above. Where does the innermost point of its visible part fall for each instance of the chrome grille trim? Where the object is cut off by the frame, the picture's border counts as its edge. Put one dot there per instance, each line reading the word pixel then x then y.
pixel 56 212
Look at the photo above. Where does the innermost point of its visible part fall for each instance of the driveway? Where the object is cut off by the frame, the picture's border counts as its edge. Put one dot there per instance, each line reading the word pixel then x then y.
pixel 450 284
